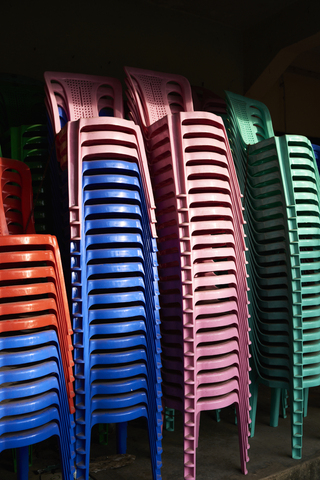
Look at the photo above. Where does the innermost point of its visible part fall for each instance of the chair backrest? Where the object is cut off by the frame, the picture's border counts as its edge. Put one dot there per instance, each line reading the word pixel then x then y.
pixel 159 94
pixel 73 96
pixel 16 215
pixel 253 118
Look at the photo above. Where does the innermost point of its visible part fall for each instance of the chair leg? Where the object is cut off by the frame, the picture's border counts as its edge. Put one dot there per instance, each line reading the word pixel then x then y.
pixel 275 406
pixel 169 419
pixel 243 435
pixel 197 429
pixel 217 414
pixel 284 402
pixel 122 437
pixel 305 401
pixel 23 463
pixel 254 402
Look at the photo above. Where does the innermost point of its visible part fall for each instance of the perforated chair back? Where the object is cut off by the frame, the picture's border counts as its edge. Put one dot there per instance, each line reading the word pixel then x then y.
pixel 253 118
pixel 159 94
pixel 75 96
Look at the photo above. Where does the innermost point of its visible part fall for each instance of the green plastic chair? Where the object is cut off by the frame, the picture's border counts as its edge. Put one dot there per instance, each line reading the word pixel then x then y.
pixel 21 102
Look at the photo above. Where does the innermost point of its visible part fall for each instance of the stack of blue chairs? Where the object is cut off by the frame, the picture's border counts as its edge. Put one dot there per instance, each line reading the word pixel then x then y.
pixel 120 319
pixel 114 276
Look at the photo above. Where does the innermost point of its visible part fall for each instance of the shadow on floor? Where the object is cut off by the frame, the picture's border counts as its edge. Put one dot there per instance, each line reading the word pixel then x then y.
pixel 217 455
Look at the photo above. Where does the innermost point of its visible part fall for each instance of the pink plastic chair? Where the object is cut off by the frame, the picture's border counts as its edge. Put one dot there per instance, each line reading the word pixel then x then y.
pixel 93 138
pixel 81 96
pixel 158 94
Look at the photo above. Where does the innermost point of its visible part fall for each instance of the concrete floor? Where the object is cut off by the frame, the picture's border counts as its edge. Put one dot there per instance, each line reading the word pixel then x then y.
pixel 217 455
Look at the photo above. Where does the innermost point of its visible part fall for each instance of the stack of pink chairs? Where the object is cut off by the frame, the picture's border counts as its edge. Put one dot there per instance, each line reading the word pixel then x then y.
pixel 201 255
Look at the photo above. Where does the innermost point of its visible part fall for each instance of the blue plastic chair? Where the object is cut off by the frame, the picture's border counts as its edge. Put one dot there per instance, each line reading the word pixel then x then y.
pixel 36 394
pixel 22 440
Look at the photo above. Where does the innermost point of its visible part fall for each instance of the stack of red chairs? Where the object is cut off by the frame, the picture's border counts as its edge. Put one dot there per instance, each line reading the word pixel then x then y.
pixel 201 255
pixel 35 329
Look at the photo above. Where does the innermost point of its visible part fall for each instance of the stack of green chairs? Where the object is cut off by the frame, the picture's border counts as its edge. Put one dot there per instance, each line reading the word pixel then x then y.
pixel 21 102
pixel 304 183
pixel 23 136
pixel 29 144
pixel 280 184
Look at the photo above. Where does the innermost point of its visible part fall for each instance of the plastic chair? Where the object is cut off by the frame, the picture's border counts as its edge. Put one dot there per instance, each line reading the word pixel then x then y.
pixel 157 94
pixel 15 172
pixel 27 297
pixel 81 96
pixel 40 380
pixel 207 101
pixel 30 145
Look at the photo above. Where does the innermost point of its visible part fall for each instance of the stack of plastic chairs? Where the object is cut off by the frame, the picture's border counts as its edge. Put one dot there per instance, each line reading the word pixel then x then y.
pixel 281 183
pixel 29 144
pixel 23 136
pixel 113 262
pixel 248 123
pixel 202 274
pixel 21 102
pixel 35 331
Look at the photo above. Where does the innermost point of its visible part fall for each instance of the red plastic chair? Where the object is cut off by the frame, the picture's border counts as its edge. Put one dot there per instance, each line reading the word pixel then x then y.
pixel 16 198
